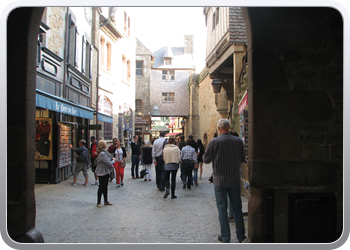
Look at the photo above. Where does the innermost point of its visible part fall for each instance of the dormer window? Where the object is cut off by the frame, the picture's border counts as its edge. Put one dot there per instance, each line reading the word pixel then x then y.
pixel 167 61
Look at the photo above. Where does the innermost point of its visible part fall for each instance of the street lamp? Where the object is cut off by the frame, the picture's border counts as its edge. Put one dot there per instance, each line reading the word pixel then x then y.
pixel 216 83
pixel 183 122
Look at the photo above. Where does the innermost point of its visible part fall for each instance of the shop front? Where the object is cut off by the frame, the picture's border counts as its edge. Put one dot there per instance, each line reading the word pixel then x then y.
pixel 143 127
pixel 243 112
pixel 58 124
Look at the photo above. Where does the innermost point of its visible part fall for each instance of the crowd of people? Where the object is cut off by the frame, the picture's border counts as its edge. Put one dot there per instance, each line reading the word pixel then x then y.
pixel 225 152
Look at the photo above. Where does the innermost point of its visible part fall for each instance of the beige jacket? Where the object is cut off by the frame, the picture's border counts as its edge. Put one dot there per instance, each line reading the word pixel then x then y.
pixel 171 154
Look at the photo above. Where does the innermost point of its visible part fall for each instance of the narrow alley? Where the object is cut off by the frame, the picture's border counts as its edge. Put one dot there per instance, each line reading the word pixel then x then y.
pixel 139 214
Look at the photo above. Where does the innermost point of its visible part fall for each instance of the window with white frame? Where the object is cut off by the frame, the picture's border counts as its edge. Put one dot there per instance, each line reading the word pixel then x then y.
pixel 168 74
pixel 168 97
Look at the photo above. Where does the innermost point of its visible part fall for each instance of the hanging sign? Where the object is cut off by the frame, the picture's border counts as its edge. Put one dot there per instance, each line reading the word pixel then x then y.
pixel 244 103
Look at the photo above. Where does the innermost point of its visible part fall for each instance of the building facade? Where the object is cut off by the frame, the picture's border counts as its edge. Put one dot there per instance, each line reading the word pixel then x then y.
pixel 64 84
pixel 116 85
pixel 143 121
pixel 170 78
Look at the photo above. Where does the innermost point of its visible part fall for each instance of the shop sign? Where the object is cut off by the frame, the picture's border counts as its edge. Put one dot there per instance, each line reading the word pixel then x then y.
pixel 244 103
pixel 95 127
pixel 142 120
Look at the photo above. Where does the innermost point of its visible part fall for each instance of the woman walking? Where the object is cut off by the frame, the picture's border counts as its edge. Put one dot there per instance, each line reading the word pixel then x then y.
pixel 119 165
pixel 147 159
pixel 199 158
pixel 104 164
pixel 171 156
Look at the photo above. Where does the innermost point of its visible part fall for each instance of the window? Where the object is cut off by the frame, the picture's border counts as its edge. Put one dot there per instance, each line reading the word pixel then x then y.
pixel 109 56
pixel 167 61
pixel 168 75
pixel 126 24
pixel 105 106
pixel 103 42
pixel 129 71
pixel 168 97
pixel 125 21
pixel 138 106
pixel 215 17
pixel 123 68
pixel 139 68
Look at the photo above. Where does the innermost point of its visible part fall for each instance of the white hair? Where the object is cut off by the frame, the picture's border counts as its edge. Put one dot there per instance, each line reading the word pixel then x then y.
pixel 223 123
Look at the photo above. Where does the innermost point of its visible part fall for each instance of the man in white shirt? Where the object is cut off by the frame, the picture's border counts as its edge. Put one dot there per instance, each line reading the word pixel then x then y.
pixel 157 152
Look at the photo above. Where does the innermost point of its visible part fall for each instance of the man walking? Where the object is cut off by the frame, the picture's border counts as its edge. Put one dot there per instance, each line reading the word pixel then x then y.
pixel 188 163
pixel 82 154
pixel 157 152
pixel 226 152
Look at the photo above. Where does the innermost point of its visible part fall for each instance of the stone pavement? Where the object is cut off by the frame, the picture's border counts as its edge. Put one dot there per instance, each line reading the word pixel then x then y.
pixel 139 214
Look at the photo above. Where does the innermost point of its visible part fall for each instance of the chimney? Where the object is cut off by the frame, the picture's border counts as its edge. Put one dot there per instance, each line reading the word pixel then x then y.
pixel 188 48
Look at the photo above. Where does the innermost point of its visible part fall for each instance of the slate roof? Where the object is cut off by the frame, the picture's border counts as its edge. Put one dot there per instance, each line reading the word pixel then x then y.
pixel 237 29
pixel 180 59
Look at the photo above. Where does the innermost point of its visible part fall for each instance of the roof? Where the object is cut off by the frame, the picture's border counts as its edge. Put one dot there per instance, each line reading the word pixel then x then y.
pixel 238 34
pixel 180 59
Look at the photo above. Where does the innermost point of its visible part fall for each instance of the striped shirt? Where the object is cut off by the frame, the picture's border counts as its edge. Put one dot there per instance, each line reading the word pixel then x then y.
pixel 188 153
pixel 226 152
pixel 158 147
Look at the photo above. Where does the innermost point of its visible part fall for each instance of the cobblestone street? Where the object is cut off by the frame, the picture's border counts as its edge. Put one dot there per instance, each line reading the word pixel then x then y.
pixel 139 214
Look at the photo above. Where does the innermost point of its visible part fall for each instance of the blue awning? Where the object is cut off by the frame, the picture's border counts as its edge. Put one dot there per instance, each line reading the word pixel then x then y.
pixel 59 105
pixel 104 118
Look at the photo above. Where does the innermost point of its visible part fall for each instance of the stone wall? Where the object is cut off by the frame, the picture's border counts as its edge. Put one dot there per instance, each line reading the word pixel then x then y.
pixel 295 112
pixel 180 87
pixel 207 108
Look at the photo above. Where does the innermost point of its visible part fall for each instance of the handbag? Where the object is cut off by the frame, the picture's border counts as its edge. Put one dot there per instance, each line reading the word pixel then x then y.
pixel 122 163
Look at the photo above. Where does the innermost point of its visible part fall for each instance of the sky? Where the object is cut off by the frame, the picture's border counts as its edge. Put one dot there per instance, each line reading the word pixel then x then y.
pixel 157 27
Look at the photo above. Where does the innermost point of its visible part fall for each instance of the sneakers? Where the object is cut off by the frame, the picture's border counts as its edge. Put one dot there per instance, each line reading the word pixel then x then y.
pixel 85 184
pixel 73 184
pixel 122 183
pixel 173 196
pixel 94 183
pixel 118 185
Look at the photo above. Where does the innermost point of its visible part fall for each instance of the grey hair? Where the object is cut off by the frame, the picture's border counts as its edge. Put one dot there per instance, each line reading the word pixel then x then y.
pixel 223 123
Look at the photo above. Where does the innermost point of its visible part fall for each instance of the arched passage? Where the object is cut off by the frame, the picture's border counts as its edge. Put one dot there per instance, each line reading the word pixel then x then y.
pixel 295 118
pixel 22 33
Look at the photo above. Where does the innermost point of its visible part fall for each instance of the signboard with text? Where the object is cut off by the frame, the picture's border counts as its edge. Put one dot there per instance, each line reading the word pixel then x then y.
pixel 142 120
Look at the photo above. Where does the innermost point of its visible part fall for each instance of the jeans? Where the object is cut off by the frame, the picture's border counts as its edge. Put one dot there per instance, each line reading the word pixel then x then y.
pixel 234 195
pixel 135 161
pixel 173 180
pixel 187 167
pixel 195 175
pixel 160 174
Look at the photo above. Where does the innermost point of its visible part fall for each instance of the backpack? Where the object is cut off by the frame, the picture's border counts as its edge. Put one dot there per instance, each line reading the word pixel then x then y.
pixel 84 156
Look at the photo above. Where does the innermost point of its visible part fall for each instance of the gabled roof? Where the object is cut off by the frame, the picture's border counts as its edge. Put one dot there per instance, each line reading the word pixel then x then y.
pixel 181 60
pixel 144 47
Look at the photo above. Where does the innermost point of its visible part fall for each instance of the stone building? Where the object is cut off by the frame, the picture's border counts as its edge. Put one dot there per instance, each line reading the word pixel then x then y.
pixel 116 100
pixel 170 77
pixel 66 68
pixel 144 62
pixel 295 104
pixel 116 85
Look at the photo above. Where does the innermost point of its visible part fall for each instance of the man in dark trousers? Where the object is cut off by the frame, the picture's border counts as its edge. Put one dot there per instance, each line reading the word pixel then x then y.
pixel 135 157
pixel 226 152
pixel 157 152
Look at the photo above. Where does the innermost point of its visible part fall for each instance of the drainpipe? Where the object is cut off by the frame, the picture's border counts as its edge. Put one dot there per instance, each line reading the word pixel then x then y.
pixel 97 90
